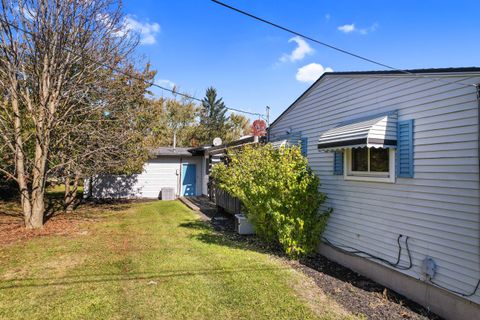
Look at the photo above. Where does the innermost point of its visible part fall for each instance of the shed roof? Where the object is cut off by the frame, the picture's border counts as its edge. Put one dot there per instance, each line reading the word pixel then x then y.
pixel 170 151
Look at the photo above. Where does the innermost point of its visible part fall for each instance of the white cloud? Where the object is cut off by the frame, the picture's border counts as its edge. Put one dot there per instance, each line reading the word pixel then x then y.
pixel 349 28
pixel 302 49
pixel 165 83
pixel 147 31
pixel 327 16
pixel 372 28
pixel 311 72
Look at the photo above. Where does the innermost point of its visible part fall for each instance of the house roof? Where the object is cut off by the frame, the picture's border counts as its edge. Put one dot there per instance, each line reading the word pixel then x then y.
pixel 381 72
pixel 170 151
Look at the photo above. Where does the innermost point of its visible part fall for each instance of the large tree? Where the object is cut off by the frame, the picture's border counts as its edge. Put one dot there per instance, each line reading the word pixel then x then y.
pixel 238 126
pixel 180 116
pixel 213 119
pixel 54 56
pixel 110 139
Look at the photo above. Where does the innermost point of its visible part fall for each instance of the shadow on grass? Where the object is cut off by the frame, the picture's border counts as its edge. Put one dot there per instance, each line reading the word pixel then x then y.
pixel 214 233
pixel 111 277
pixel 329 276
pixel 83 209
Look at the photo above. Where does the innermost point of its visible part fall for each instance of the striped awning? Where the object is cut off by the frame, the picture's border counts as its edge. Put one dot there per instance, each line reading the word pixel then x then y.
pixel 375 132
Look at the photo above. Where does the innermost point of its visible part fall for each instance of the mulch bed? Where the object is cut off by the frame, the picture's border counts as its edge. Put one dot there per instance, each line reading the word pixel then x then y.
pixel 355 293
pixel 12 229
pixel 359 294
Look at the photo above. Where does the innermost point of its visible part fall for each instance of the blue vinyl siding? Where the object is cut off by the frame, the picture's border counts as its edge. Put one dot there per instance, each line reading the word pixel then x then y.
pixel 405 149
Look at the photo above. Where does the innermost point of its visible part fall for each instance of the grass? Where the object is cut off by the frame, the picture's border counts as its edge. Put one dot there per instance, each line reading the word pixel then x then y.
pixel 152 260
pixel 60 189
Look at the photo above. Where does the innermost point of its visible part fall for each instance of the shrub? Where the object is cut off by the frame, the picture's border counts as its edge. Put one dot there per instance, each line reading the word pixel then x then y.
pixel 279 193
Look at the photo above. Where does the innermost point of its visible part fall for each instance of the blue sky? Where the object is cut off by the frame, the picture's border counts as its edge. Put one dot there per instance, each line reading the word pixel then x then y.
pixel 197 43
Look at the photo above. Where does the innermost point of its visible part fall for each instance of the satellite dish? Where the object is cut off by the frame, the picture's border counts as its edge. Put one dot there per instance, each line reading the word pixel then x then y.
pixel 217 141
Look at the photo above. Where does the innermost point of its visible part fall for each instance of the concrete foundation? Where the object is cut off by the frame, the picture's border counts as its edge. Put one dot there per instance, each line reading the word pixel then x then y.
pixel 439 301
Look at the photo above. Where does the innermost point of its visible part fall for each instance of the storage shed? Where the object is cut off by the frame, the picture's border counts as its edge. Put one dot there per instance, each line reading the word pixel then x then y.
pixel 397 154
pixel 179 169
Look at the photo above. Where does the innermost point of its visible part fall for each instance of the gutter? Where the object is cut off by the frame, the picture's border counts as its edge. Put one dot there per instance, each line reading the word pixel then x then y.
pixel 477 86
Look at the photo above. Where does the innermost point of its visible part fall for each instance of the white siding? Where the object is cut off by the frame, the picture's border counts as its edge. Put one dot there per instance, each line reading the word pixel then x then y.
pixel 204 175
pixel 439 208
pixel 157 174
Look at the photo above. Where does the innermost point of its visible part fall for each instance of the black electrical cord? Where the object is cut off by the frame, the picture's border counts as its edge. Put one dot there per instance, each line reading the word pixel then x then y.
pixel 457 292
pixel 355 252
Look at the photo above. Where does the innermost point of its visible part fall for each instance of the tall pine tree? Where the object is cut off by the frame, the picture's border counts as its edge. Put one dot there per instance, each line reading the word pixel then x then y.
pixel 213 121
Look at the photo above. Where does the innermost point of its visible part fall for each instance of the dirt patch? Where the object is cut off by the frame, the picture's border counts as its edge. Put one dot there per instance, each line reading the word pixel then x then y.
pixel 61 265
pixel 316 298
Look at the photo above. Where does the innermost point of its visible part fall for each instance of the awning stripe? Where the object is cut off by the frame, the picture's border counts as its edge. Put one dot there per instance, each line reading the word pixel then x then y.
pixel 379 132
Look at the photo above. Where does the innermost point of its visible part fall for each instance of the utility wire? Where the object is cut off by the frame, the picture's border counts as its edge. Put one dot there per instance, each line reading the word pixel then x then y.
pixel 151 83
pixel 273 24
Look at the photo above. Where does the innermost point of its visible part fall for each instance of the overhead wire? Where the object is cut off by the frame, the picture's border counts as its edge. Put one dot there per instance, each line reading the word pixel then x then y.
pixel 344 51
pixel 151 83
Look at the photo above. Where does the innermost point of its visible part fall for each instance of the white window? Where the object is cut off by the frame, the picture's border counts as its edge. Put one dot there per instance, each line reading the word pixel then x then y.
pixel 370 164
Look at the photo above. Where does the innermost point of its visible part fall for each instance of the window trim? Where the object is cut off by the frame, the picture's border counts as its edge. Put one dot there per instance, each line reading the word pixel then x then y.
pixel 348 174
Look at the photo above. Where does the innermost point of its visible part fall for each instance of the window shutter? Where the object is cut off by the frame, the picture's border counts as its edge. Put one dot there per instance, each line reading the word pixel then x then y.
pixel 404 157
pixel 338 163
pixel 304 146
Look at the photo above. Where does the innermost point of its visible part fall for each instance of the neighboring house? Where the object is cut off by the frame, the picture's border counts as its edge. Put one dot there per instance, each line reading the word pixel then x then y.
pixel 179 168
pixel 398 156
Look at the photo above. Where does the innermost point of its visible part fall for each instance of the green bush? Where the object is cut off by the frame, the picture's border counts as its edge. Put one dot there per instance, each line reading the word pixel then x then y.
pixel 279 193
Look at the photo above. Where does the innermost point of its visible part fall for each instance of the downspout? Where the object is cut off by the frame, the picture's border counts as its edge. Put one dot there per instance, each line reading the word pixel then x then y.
pixel 477 86
pixel 174 140
pixel 478 122
pixel 179 184
pixel 267 111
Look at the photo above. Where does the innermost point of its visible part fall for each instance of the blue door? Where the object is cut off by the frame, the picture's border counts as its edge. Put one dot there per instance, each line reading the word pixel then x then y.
pixel 189 179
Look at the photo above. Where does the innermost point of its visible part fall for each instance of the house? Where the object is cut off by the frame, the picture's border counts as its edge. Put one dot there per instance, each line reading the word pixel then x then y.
pixel 180 169
pixel 397 154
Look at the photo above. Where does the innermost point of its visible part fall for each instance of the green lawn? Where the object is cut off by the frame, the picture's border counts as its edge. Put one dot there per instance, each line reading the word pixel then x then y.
pixel 153 260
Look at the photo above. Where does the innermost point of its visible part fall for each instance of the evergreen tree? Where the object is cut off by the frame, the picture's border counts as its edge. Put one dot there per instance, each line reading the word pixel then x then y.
pixel 213 121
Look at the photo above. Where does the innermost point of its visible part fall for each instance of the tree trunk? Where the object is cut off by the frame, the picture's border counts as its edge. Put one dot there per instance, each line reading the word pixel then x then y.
pixel 38 211
pixel 66 196
pixel 71 193
pixel 90 187
pixel 38 183
pixel 25 196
